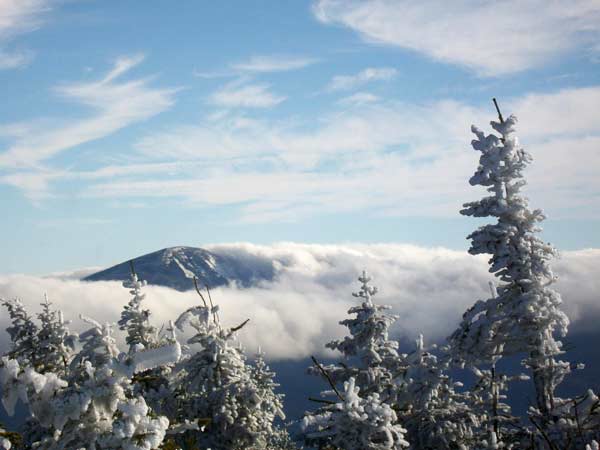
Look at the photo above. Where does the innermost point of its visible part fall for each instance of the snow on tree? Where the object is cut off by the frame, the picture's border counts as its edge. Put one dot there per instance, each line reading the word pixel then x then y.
pixel 525 315
pixel 55 343
pixel 429 406
pixel 99 345
pixel 487 402
pixel 271 401
pixel 94 408
pixel 95 413
pixel 134 319
pixel 23 332
pixel 415 386
pixel 577 421
pixel 217 387
pixel 368 344
pixel 356 423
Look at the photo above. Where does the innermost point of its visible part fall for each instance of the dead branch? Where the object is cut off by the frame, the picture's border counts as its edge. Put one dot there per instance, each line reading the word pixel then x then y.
pixel 199 293
pixel 326 375
pixel 131 267
pixel 321 400
pixel 498 110
pixel 239 327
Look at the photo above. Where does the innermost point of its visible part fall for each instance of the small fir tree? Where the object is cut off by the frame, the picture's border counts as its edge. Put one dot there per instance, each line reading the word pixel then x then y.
pixel 23 333
pixel 378 364
pixel 55 342
pixel 134 319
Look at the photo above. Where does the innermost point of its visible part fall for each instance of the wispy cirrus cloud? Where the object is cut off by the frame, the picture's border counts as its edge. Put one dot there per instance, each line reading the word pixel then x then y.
pixel 241 94
pixel 368 75
pixel 273 63
pixel 116 105
pixel 18 17
pixel 487 37
pixel 399 158
pixel 259 64
pixel 359 98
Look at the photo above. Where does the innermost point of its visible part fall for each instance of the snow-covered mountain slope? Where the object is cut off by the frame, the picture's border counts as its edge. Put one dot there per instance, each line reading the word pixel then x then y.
pixel 175 267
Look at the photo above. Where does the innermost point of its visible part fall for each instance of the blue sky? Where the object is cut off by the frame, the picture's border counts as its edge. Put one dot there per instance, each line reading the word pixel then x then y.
pixel 126 127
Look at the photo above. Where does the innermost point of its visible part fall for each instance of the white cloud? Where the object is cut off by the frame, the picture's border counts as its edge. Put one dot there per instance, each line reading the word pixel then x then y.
pixel 348 82
pixel 292 317
pixel 116 105
pixel 492 38
pixel 395 181
pixel 273 63
pixel 18 17
pixel 35 185
pixel 14 60
pixel 389 157
pixel 568 112
pixel 358 99
pixel 392 158
pixel 240 95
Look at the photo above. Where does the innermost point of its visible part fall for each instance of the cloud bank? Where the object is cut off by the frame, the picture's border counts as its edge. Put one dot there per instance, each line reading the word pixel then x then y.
pixel 294 316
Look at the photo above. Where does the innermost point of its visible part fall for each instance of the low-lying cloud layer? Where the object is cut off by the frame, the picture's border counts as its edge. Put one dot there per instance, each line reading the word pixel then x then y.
pixel 294 316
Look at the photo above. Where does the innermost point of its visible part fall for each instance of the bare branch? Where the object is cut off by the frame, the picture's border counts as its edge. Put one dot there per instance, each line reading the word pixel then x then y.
pixel 199 293
pixel 498 110
pixel 216 314
pixel 320 400
pixel 544 434
pixel 131 267
pixel 326 375
pixel 240 326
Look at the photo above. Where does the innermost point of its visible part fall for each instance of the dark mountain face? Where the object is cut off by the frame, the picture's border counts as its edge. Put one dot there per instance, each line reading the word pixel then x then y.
pixel 175 267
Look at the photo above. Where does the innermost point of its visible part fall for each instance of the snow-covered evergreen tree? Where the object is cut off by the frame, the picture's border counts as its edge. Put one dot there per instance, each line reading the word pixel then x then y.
pixel 415 386
pixel 356 423
pixel 487 402
pixel 93 408
pixel 435 414
pixel 377 364
pixel 271 402
pixel 525 315
pixel 216 386
pixel 134 319
pixel 55 343
pixel 23 333
pixel 99 345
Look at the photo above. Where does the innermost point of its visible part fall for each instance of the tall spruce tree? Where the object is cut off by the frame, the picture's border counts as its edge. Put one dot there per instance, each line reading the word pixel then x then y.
pixel 525 316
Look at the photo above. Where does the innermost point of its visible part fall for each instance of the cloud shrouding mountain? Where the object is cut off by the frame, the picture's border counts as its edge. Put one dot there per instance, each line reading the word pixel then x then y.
pixel 429 288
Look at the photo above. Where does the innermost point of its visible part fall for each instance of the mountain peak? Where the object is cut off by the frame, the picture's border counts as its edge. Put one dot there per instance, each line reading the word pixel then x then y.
pixel 175 267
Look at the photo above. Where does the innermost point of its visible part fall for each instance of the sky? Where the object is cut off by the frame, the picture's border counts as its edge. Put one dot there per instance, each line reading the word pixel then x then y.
pixel 126 127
